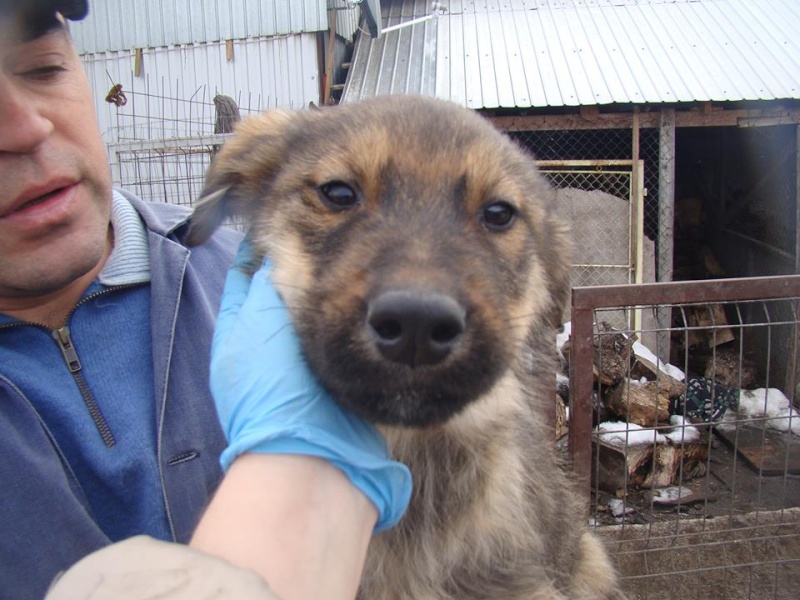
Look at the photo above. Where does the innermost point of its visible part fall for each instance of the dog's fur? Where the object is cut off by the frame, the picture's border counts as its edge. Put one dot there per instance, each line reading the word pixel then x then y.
pixel 414 202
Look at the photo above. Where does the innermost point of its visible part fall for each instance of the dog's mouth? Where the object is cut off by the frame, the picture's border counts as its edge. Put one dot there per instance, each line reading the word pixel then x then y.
pixel 414 359
pixel 422 396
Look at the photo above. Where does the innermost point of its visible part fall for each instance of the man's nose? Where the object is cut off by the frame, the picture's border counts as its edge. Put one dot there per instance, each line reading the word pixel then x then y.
pixel 24 125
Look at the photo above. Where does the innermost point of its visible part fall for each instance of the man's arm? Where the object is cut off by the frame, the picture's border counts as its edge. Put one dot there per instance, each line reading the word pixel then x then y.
pixel 295 520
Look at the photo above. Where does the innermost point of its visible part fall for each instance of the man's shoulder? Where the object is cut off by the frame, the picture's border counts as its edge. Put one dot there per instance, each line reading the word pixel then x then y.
pixel 161 217
pixel 171 220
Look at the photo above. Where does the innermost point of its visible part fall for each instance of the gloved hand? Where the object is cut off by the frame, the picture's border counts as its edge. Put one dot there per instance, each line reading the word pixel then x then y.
pixel 268 400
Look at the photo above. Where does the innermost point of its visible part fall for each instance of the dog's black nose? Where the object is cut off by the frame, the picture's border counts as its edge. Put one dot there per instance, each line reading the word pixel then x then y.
pixel 415 327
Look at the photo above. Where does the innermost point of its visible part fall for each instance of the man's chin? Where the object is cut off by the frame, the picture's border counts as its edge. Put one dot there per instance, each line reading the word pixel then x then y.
pixel 52 271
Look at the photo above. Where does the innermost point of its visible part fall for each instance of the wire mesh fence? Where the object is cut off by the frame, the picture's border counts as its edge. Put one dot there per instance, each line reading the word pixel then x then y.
pixel 162 146
pixel 693 463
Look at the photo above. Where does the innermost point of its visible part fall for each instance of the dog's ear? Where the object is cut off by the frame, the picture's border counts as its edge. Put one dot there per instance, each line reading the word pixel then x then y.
pixel 242 171
pixel 209 213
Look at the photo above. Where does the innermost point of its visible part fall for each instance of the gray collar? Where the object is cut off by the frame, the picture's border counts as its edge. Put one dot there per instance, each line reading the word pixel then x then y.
pixel 129 261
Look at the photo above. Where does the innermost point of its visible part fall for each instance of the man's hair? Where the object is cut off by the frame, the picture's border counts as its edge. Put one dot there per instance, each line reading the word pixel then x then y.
pixel 37 17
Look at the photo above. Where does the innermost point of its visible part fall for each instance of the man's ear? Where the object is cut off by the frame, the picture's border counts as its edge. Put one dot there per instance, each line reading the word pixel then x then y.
pixel 242 172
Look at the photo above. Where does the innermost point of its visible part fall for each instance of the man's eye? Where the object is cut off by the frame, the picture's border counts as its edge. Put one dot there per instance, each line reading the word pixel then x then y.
pixel 43 73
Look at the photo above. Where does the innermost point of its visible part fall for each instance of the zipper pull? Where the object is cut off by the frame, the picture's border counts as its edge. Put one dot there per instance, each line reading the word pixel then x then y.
pixel 64 340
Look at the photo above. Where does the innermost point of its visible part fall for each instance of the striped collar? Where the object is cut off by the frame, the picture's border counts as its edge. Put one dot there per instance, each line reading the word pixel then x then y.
pixel 129 261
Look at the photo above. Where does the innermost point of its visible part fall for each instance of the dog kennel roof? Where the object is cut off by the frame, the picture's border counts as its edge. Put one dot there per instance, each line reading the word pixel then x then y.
pixel 550 53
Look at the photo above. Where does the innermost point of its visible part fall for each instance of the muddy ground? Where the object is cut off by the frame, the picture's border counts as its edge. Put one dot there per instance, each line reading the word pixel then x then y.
pixel 740 540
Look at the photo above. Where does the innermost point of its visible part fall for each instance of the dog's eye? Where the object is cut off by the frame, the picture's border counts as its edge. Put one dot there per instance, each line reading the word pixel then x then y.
pixel 498 216
pixel 338 195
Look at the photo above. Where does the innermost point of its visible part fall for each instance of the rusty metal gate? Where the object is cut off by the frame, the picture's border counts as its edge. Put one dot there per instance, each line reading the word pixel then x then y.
pixel 692 465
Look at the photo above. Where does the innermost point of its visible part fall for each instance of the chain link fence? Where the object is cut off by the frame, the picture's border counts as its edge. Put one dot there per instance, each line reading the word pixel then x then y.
pixel 162 146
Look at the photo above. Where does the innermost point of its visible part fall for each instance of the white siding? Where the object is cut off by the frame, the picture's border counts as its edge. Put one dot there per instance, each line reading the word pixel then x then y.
pixel 124 24
pixel 173 97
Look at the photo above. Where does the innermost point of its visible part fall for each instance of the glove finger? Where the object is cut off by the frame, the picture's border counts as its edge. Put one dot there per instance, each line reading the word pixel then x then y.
pixel 264 307
pixel 244 255
pixel 236 289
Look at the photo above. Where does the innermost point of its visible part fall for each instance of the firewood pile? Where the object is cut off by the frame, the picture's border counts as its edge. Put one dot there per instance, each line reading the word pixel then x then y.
pixel 642 442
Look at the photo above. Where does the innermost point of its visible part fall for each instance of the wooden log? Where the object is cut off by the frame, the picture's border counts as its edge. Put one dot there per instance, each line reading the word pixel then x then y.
pixel 674 463
pixel 645 368
pixel 562 427
pixel 619 467
pixel 613 353
pixel 647 465
pixel 646 404
pixel 712 320
pixel 730 369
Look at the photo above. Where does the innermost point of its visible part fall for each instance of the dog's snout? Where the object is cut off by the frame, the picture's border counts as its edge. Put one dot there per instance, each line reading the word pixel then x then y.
pixel 415 328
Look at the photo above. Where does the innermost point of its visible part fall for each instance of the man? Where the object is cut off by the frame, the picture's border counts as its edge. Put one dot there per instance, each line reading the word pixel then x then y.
pixel 107 427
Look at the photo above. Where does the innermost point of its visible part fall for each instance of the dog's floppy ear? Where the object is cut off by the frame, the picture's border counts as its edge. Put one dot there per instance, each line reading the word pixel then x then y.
pixel 241 172
pixel 209 213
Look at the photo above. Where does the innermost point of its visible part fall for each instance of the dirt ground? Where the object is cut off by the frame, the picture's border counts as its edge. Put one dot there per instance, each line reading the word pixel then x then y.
pixel 753 556
pixel 740 540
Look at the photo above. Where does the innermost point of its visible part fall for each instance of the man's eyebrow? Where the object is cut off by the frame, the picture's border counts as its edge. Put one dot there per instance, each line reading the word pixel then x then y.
pixel 53 35
pixel 33 27
pixel 52 42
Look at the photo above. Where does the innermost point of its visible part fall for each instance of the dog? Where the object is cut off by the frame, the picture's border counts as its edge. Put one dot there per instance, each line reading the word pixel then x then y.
pixel 425 272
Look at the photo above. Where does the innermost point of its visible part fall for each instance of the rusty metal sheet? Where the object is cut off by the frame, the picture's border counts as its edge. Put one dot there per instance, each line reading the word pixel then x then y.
pixel 765 450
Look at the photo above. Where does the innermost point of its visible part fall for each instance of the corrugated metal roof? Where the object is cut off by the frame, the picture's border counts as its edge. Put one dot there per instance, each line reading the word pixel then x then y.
pixel 529 53
pixel 124 24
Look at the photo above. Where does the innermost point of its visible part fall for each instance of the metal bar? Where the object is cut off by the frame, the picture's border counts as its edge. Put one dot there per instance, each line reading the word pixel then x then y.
pixel 407 23
pixel 585 163
pixel 581 383
pixel 686 292
pixel 797 200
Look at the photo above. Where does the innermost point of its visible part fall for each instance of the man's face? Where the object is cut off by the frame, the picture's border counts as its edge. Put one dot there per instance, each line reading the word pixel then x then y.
pixel 55 185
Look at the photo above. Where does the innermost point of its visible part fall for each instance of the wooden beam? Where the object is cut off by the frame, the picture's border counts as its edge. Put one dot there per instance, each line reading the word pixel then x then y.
pixel 590 113
pixel 138 62
pixel 666 193
pixel 326 92
pixel 696 117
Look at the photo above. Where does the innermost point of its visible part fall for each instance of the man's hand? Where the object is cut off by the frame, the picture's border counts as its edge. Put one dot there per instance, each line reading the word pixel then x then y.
pixel 268 400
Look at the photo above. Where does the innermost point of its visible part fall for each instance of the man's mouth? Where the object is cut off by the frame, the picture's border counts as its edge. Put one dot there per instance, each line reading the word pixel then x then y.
pixel 38 200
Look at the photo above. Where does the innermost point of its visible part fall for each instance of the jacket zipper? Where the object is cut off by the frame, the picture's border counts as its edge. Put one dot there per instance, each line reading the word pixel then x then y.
pixel 62 337
pixel 70 354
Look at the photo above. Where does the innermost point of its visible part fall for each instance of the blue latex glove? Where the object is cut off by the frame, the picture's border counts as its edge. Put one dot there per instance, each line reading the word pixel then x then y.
pixel 268 401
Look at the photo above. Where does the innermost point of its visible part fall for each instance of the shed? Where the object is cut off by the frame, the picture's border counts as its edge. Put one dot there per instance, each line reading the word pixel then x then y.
pixel 679 107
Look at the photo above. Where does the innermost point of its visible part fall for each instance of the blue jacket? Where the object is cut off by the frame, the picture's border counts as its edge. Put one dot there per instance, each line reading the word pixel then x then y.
pixel 45 523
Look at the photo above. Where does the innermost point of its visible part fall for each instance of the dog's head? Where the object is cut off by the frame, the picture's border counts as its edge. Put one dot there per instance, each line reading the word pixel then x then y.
pixel 411 241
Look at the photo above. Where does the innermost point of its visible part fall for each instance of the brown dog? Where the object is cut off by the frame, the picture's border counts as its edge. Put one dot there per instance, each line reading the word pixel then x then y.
pixel 415 249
